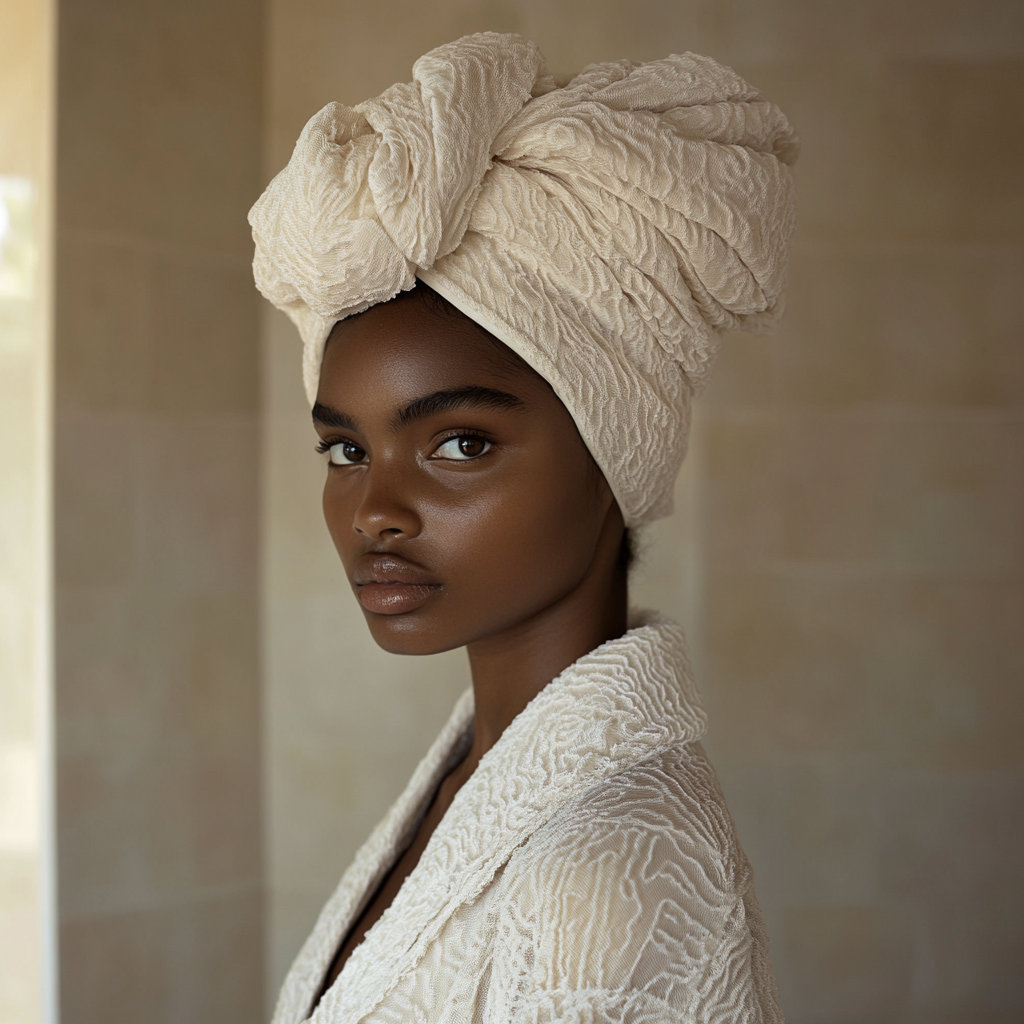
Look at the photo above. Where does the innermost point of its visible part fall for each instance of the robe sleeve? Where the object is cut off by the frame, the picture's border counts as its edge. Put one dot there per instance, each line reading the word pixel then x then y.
pixel 636 906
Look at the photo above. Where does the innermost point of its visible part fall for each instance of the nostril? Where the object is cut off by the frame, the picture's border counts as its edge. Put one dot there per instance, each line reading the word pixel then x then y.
pixel 381 516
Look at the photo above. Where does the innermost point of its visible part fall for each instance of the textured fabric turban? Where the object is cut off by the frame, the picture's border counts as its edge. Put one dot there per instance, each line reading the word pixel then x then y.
pixel 604 229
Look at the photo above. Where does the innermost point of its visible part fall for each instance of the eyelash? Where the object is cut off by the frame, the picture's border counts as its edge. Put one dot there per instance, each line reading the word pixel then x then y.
pixel 326 444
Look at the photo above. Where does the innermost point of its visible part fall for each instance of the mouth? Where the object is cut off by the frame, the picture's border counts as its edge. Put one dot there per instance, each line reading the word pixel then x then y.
pixel 386 585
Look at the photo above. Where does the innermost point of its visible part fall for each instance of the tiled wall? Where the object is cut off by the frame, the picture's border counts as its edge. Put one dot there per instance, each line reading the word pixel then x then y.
pixel 849 550
pixel 156 500
pixel 863 542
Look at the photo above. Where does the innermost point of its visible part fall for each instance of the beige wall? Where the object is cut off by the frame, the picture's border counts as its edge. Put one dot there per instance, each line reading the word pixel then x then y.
pixel 849 551
pixel 864 549
pixel 847 556
pixel 156 498
pixel 26 846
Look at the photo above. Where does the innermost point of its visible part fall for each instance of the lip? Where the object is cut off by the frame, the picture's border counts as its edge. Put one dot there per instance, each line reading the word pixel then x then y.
pixel 388 585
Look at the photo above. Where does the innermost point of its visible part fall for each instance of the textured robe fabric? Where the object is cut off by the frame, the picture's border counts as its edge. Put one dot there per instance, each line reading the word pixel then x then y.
pixel 603 229
pixel 588 871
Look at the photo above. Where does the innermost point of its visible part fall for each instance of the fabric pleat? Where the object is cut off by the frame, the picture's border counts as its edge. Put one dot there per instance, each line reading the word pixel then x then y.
pixel 604 229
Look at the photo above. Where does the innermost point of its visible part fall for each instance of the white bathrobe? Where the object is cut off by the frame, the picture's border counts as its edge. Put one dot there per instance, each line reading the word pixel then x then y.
pixel 588 871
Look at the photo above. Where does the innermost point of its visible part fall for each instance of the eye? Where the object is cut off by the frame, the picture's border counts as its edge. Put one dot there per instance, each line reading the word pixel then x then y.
pixel 463 448
pixel 346 453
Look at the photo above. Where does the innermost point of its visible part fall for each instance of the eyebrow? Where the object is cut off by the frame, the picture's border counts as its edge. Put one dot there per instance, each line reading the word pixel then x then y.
pixel 458 398
pixel 331 417
pixel 429 405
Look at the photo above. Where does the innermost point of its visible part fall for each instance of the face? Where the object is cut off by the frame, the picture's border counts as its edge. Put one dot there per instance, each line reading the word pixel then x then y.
pixel 459 493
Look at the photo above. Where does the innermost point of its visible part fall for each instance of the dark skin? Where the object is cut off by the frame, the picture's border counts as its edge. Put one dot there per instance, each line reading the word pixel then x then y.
pixel 467 512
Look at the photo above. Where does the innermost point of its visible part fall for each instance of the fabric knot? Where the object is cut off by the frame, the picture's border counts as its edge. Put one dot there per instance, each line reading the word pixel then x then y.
pixel 605 230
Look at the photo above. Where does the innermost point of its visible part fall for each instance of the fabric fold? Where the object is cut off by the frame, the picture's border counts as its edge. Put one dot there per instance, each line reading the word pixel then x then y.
pixel 606 228
pixel 613 708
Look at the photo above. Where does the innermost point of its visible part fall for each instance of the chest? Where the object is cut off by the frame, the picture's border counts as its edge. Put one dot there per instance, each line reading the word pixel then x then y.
pixel 394 879
pixel 453 981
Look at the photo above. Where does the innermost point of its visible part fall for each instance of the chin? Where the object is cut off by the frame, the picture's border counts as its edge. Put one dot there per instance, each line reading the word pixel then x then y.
pixel 405 634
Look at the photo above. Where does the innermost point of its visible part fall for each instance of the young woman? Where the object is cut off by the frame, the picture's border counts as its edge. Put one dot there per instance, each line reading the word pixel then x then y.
pixel 507 291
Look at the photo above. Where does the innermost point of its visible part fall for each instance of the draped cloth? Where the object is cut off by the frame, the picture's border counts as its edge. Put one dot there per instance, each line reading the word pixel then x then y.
pixel 588 872
pixel 603 229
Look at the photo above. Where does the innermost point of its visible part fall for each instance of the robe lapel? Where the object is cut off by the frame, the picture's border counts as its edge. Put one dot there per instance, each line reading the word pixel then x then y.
pixel 613 708
pixel 373 860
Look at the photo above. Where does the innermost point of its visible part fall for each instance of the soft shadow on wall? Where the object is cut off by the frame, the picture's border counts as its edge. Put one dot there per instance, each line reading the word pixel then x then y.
pixel 156 475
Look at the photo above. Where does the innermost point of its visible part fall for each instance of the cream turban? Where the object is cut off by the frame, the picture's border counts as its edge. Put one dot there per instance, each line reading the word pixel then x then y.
pixel 604 229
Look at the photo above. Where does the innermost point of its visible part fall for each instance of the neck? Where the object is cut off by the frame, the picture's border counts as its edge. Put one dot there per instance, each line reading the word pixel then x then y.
pixel 511 668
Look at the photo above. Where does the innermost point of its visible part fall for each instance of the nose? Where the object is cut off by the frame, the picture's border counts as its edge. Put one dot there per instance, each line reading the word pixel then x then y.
pixel 384 509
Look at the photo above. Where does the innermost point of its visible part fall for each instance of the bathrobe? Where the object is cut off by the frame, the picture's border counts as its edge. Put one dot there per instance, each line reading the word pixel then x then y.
pixel 588 871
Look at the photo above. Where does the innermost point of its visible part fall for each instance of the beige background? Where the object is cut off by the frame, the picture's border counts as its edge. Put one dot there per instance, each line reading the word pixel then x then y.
pixel 848 554
pixel 26 838
pixel 156 475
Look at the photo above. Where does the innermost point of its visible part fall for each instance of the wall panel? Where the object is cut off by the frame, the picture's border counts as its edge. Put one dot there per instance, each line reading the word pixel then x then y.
pixel 157 507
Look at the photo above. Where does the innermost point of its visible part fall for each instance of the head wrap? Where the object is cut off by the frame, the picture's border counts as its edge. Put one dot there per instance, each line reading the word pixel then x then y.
pixel 603 229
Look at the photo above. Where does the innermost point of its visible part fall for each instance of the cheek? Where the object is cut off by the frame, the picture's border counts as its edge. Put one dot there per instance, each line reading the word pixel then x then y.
pixel 525 542
pixel 338 511
pixel 505 547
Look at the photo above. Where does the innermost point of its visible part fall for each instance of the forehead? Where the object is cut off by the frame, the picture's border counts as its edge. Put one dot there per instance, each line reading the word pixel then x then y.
pixel 400 350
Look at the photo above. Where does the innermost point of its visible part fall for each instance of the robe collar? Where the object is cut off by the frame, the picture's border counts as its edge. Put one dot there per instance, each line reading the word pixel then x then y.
pixel 622 703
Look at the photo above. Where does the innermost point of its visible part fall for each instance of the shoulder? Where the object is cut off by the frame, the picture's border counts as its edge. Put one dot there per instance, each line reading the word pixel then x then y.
pixel 667 811
pixel 641 884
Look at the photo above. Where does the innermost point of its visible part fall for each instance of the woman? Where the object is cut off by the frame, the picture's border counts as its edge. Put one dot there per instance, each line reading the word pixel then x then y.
pixel 507 291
